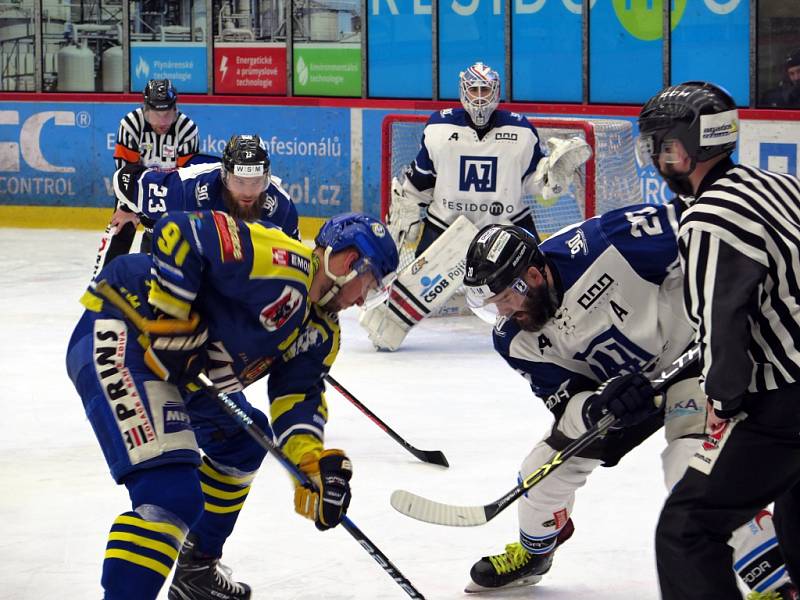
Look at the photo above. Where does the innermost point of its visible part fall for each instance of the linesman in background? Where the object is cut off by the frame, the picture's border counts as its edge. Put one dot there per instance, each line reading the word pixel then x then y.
pixel 738 243
pixel 156 135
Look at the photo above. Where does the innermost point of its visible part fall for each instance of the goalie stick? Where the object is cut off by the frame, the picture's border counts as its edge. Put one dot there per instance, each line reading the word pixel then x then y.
pixel 439 513
pixel 435 457
pixel 253 430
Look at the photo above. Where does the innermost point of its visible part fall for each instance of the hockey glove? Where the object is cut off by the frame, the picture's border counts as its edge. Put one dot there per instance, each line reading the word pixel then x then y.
pixel 630 398
pixel 331 472
pixel 556 171
pixel 178 356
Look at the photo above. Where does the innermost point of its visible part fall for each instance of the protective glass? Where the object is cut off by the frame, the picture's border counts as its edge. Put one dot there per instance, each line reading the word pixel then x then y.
pixel 649 148
pixel 374 290
pixel 241 185
pixel 503 304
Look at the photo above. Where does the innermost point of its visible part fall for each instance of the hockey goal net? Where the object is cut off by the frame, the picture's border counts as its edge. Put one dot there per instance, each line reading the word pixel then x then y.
pixel 607 180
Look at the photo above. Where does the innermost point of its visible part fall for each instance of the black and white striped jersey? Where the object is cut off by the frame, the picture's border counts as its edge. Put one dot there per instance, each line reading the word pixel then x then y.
pixel 740 249
pixel 137 142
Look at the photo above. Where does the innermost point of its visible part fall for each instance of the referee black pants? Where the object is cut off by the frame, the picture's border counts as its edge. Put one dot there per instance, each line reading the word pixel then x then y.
pixel 754 462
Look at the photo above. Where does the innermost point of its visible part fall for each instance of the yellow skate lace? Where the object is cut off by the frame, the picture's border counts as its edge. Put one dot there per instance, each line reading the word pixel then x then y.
pixel 514 557
pixel 771 595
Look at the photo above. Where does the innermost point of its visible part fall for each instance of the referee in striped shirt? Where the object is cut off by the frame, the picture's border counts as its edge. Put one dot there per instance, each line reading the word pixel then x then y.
pixel 156 135
pixel 740 249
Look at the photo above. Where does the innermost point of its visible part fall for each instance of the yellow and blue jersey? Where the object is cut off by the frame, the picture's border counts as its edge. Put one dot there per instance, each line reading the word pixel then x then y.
pixel 250 284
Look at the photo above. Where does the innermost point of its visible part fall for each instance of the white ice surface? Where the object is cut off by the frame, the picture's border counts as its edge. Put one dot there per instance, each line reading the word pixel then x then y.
pixel 445 389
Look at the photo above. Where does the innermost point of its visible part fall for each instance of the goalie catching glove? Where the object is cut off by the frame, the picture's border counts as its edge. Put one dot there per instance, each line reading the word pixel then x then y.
pixel 630 398
pixel 178 354
pixel 555 171
pixel 331 472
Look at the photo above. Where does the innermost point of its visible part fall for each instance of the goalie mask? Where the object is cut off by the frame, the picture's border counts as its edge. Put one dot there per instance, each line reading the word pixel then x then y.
pixel 378 255
pixel 479 92
pixel 701 116
pixel 497 260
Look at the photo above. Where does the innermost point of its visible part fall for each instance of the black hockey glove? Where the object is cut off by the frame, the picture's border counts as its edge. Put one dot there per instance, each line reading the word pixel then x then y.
pixel 630 398
pixel 177 352
pixel 332 473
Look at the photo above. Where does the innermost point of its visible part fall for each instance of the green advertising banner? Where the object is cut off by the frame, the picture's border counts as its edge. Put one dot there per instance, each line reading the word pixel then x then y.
pixel 327 70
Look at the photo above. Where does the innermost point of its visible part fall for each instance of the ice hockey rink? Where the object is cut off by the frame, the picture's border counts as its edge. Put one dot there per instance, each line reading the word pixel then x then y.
pixel 445 389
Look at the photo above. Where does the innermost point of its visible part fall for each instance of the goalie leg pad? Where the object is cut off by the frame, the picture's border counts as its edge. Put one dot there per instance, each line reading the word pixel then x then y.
pixel 421 287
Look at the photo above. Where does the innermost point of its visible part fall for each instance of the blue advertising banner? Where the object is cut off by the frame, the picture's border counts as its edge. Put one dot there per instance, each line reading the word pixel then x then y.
pixel 712 43
pixel 625 49
pixel 546 51
pixel 469 31
pixel 400 49
pixel 185 64
pixel 61 154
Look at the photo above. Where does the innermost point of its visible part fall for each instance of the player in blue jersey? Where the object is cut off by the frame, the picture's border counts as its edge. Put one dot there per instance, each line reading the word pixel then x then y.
pixel 239 300
pixel 585 316
pixel 477 162
pixel 241 185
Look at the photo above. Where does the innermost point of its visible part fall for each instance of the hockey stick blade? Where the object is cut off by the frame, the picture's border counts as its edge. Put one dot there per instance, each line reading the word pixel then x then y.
pixel 434 457
pixel 439 513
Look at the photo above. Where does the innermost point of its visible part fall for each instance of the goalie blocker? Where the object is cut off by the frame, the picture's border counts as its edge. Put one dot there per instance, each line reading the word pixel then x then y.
pixel 421 287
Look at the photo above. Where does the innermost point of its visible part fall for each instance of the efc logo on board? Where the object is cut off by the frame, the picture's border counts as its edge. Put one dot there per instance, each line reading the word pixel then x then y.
pixel 478 173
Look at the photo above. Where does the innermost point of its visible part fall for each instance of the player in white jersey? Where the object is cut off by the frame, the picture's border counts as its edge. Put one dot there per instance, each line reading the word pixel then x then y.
pixel 156 135
pixel 585 317
pixel 476 162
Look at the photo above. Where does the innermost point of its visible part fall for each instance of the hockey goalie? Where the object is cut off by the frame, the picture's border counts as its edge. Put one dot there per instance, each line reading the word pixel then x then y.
pixel 474 166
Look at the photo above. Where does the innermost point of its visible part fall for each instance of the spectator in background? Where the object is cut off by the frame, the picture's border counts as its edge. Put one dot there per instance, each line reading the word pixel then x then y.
pixel 787 92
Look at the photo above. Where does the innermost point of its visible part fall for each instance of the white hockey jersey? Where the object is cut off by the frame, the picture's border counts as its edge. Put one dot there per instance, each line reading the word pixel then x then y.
pixel 621 309
pixel 478 177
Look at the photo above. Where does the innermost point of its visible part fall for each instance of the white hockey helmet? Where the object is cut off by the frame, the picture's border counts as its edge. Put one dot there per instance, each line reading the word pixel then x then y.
pixel 479 91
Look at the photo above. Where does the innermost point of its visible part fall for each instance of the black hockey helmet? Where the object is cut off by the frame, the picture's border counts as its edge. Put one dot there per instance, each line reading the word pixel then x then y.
pixel 497 256
pixel 792 59
pixel 246 156
pixel 160 94
pixel 701 115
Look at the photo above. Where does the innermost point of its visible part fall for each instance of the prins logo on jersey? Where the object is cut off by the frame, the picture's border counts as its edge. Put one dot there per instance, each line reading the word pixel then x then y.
pixel 229 240
pixel 597 289
pixel 478 173
pixel 276 314
pixel 135 426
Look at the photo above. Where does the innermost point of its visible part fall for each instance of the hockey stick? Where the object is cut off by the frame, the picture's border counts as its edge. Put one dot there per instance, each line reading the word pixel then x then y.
pixel 440 513
pixel 435 457
pixel 262 439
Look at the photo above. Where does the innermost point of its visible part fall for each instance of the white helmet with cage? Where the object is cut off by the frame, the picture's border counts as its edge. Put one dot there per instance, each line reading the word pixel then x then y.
pixel 479 91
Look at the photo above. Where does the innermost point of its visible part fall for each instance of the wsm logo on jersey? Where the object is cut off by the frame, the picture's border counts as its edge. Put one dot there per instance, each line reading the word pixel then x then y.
pixel 478 173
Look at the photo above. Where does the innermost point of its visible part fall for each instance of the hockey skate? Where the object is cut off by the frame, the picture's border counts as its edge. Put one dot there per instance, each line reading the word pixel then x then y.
pixel 516 567
pixel 786 592
pixel 203 578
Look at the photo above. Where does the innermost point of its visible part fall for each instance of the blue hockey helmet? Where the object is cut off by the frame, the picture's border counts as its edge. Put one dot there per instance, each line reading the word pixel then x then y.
pixel 377 252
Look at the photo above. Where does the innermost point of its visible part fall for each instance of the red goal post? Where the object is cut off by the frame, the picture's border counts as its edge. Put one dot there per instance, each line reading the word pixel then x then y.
pixel 609 179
